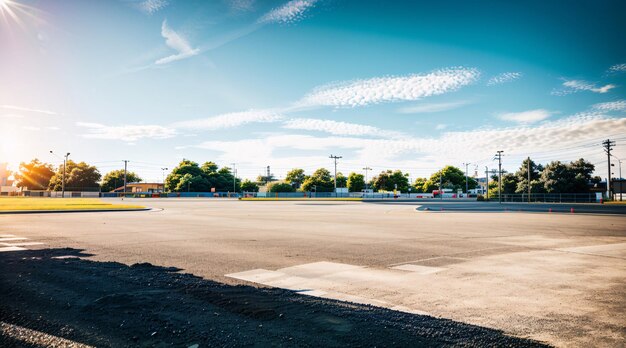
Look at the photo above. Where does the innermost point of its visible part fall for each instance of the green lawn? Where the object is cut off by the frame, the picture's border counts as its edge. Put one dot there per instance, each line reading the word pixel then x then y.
pixel 59 204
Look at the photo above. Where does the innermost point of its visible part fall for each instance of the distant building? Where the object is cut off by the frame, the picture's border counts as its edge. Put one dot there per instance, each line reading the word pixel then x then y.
pixel 6 180
pixel 141 187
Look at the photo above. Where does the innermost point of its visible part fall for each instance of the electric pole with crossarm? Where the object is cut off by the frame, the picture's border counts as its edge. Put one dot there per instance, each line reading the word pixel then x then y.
pixel 335 158
pixel 608 146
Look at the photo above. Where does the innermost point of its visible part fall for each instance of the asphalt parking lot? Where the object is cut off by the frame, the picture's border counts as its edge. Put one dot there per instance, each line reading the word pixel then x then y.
pixel 555 278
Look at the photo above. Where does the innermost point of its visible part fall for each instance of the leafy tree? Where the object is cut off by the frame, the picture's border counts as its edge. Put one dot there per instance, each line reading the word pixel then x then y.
pixel 249 186
pixel 557 178
pixel 536 185
pixel 115 179
pixel 451 178
pixel 35 175
pixel 389 180
pixel 296 176
pixel 342 181
pixel 187 176
pixel 356 182
pixel 419 185
pixel 321 179
pixel 281 186
pixel 78 177
pixel 581 172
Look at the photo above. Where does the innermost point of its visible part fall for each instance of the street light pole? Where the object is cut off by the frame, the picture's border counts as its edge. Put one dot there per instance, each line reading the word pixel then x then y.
pixel 163 175
pixel 335 158
pixel 619 162
pixel 366 169
pixel 466 185
pixel 63 177
pixel 499 156
pixel 234 178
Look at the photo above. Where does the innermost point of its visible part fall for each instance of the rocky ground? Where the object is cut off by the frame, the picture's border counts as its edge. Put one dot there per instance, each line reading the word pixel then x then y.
pixel 49 299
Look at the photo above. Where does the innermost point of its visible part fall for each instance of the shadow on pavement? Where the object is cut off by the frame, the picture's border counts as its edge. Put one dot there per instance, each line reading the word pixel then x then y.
pixel 112 304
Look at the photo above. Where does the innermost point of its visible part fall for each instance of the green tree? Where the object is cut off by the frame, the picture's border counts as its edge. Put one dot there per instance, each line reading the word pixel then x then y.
pixel 391 180
pixel 295 176
pixel 34 175
pixel 581 172
pixel 249 186
pixel 78 177
pixel 557 178
pixel 115 179
pixel 451 178
pixel 342 181
pixel 187 176
pixel 419 185
pixel 536 185
pixel 356 182
pixel 281 186
pixel 321 179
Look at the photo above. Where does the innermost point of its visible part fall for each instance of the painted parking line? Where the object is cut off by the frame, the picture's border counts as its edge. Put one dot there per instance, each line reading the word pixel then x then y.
pixel 10 242
pixel 11 248
pixel 8 239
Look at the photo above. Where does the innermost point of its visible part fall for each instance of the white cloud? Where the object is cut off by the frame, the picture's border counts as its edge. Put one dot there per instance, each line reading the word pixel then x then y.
pixel 230 120
pixel 526 117
pixel 441 126
pixel 424 154
pixel 177 42
pixel 337 127
pixel 128 133
pixel 19 108
pixel 151 6
pixel 572 86
pixel 503 78
pixel 242 5
pixel 432 107
pixel 288 13
pixel 619 105
pixel 618 68
pixel 389 89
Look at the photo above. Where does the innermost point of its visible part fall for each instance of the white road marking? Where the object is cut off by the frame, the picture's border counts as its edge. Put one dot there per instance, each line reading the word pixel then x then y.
pixel 11 238
pixel 11 248
pixel 341 282
pixel 6 235
pixel 418 269
pixel 21 244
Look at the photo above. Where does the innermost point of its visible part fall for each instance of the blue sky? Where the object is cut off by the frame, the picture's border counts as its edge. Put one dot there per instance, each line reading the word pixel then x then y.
pixel 404 85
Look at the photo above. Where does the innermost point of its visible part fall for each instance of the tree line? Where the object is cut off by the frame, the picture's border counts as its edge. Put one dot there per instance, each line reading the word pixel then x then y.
pixel 555 177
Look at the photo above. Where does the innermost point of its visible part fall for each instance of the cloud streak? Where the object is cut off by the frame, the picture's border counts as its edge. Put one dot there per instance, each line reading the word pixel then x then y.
pixel 433 107
pixel 617 68
pixel 290 12
pixel 526 117
pixel 177 42
pixel 573 86
pixel 38 111
pixel 230 120
pixel 150 6
pixel 503 78
pixel 337 127
pixel 126 133
pixel 619 105
pixel 391 89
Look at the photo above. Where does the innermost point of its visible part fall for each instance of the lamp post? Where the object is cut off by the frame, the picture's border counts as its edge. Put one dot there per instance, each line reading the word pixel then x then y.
pixel 619 161
pixel 63 177
pixel 163 175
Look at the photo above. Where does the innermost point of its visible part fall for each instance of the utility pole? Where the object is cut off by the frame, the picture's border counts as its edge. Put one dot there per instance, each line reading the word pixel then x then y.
pixel 335 158
pixel 234 177
pixel 466 186
pixel 267 178
pixel 366 169
pixel 125 170
pixel 608 146
pixel 63 177
pixel 164 169
pixel 487 181
pixel 499 156
pixel 528 179
pixel 619 162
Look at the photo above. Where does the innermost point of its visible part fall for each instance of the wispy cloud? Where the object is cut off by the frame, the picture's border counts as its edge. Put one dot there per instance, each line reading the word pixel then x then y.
pixel 337 127
pixel 526 117
pixel 573 86
pixel 242 5
pixel 126 133
pixel 288 13
pixel 177 42
pixel 503 78
pixel 150 6
pixel 230 120
pixel 38 111
pixel 390 89
pixel 433 107
pixel 423 152
pixel 619 105
pixel 617 68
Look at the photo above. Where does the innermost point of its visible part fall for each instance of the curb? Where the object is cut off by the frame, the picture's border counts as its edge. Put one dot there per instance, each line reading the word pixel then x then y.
pixel 68 211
